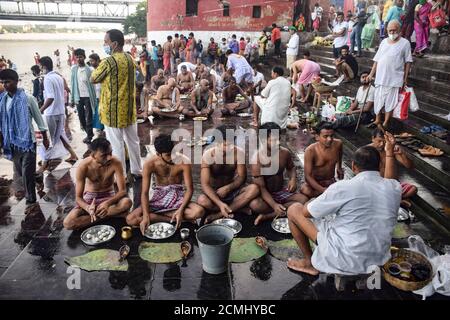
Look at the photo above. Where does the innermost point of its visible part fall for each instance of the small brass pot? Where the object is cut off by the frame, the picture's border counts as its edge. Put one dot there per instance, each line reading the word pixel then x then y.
pixel 126 233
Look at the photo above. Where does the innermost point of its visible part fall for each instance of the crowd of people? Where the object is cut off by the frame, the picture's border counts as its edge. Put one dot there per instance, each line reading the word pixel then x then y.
pixel 351 221
pixel 358 27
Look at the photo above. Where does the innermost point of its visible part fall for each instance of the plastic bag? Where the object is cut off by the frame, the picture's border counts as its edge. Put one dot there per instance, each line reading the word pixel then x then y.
pixel 441 268
pixel 437 18
pixel 343 104
pixel 328 111
pixel 401 109
pixel 413 104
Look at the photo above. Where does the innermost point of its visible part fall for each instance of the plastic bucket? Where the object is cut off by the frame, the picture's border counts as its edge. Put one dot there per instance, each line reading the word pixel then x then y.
pixel 214 242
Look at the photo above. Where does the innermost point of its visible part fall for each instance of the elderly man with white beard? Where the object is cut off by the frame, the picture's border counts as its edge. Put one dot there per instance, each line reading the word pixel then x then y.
pixel 392 63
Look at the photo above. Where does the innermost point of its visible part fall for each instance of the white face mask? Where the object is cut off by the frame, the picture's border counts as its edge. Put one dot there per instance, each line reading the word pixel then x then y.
pixel 393 36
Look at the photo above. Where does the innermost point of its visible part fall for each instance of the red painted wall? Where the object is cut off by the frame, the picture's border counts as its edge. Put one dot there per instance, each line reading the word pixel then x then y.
pixel 171 15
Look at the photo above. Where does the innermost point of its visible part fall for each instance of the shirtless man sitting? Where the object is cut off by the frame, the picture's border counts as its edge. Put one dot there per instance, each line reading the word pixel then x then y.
pixel 169 201
pixel 275 198
pixel 223 184
pixel 201 101
pixel 211 79
pixel 229 94
pixel 200 68
pixel 378 141
pixel 168 97
pixel 185 81
pixel 95 195
pixel 322 160
pixel 150 90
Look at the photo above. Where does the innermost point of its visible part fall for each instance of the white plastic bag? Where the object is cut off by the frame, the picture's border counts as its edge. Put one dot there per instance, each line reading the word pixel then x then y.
pixel 441 268
pixel 328 111
pixel 413 104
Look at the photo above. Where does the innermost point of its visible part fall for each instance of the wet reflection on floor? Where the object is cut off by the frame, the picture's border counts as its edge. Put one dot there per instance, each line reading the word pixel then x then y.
pixel 33 246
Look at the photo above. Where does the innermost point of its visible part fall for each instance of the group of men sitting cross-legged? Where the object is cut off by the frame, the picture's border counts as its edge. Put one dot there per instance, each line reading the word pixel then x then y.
pixel 350 221
pixel 101 191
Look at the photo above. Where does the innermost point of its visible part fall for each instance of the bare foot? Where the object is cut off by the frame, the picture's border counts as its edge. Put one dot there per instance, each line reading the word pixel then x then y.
pixel 263 217
pixel 302 265
pixel 303 100
pixel 247 211
pixel 214 216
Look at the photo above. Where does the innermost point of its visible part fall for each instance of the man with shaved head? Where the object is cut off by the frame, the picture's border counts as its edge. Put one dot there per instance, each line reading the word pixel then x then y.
pixel 201 101
pixel 392 63
pixel 167 101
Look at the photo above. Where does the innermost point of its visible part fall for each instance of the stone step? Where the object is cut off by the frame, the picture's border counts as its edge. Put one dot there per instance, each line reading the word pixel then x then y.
pixel 414 123
pixel 431 199
pixel 437 63
pixel 434 92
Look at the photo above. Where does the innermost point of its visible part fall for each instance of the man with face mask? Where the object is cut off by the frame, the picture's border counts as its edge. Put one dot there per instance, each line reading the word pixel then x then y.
pixel 352 221
pixel 17 138
pixel 170 200
pixel 392 63
pixel 95 195
pixel 116 73
pixel 323 160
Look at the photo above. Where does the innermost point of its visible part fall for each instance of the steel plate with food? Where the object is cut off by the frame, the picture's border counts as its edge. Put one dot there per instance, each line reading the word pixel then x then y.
pixel 98 234
pixel 281 225
pixel 167 110
pixel 200 118
pixel 160 230
pixel 233 224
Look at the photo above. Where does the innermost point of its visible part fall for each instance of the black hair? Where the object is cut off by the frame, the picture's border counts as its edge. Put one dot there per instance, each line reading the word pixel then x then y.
pixel 169 37
pixel 229 51
pixel 116 35
pixel 176 35
pixel 377 133
pixel 274 25
pixel 9 74
pixel 164 144
pixel 153 42
pixel 100 144
pixel 94 56
pixel 230 79
pixel 323 125
pixel 242 38
pixel 47 62
pixel 278 70
pixel 223 130
pixel 345 47
pixel 35 69
pixel 270 126
pixel 191 34
pixel 363 73
pixel 307 53
pixel 340 13
pixel 367 158
pixel 80 52
pixel 233 36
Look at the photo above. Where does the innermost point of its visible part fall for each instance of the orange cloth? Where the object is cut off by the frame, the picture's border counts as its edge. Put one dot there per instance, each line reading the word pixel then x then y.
pixel 276 34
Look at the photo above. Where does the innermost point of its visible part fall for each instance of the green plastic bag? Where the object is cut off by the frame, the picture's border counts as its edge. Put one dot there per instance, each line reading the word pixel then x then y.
pixel 343 104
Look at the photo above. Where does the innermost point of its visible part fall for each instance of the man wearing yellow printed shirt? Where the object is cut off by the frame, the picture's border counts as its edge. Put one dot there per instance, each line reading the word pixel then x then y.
pixel 117 107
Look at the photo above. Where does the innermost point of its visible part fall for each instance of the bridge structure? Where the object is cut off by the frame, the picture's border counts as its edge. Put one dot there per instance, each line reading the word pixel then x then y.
pixel 106 11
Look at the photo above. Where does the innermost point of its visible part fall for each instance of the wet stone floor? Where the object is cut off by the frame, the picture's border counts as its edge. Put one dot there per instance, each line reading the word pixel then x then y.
pixel 34 245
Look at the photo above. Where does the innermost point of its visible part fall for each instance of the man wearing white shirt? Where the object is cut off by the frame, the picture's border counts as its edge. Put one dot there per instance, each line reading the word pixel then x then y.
pixel 275 100
pixel 392 63
pixel 340 34
pixel 54 112
pixel 292 47
pixel 352 221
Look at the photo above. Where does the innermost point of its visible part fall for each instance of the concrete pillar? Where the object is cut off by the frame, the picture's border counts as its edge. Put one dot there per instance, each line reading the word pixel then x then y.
pixel 39 8
pixel 81 8
pixel 45 9
pixel 23 10
pixel 57 7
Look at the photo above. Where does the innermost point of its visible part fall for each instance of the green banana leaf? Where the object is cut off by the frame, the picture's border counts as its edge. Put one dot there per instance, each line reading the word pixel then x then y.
pixel 160 252
pixel 245 250
pixel 99 260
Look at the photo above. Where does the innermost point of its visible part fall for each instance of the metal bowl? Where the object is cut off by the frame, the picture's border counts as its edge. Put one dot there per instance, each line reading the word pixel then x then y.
pixel 233 224
pixel 281 225
pixel 160 230
pixel 88 236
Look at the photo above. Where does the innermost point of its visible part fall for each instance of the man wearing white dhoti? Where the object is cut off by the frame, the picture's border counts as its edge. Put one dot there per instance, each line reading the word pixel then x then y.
pixel 392 63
